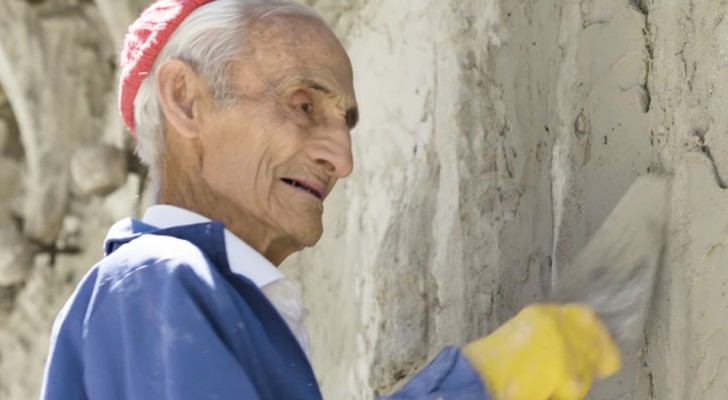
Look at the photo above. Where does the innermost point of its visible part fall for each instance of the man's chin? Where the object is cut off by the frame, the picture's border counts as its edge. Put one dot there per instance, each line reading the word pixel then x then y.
pixel 309 235
pixel 311 238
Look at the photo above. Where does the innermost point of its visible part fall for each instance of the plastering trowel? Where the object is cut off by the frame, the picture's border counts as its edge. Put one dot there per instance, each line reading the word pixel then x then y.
pixel 615 273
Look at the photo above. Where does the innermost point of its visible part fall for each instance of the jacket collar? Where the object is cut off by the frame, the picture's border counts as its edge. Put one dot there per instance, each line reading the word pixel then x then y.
pixel 243 259
pixel 208 237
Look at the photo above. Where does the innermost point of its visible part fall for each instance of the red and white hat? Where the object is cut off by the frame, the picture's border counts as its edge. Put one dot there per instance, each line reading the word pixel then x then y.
pixel 145 39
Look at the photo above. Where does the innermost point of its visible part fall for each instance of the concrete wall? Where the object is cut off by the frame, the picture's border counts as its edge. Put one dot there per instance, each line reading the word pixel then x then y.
pixel 495 137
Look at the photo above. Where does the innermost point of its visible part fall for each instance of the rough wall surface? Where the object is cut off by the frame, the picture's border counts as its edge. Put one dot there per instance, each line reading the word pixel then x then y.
pixel 495 137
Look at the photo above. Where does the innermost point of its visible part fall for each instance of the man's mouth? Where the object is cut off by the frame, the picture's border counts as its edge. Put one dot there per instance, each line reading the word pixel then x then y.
pixel 301 185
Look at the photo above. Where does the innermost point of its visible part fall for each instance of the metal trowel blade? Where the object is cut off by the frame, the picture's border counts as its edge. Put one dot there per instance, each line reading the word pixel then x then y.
pixel 616 271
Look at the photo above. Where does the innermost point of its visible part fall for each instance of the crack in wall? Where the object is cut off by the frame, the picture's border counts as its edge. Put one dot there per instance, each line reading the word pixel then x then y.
pixel 645 98
pixel 640 6
pixel 705 149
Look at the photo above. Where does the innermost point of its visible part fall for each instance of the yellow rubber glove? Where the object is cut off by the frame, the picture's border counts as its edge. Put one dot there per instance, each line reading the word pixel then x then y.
pixel 546 352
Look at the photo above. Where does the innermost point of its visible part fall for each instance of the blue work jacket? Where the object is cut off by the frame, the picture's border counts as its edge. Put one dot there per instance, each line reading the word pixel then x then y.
pixel 162 316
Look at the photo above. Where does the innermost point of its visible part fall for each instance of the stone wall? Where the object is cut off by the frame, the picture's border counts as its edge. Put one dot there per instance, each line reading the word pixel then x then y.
pixel 495 137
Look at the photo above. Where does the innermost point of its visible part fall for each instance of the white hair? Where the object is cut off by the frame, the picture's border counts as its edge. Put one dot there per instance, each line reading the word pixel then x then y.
pixel 208 40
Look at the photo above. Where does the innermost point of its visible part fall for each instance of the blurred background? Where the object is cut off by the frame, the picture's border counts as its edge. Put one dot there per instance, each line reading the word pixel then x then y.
pixel 495 137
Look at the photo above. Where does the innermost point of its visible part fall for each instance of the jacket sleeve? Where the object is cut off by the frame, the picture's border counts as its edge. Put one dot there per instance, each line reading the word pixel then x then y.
pixel 152 335
pixel 448 377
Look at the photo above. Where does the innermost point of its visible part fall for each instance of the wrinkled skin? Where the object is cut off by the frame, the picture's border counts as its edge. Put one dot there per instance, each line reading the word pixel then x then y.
pixel 264 166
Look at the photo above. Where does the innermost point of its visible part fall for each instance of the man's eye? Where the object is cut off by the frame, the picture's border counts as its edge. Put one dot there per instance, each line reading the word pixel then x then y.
pixel 306 107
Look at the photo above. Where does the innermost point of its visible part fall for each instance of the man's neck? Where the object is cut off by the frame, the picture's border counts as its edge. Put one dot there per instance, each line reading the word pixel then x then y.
pixel 185 189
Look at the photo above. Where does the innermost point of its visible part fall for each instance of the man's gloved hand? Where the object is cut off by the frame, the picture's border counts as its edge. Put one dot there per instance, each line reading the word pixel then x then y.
pixel 546 352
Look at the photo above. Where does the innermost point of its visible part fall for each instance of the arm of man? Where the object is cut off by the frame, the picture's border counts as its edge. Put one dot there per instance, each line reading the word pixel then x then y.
pixel 154 335
pixel 449 376
pixel 546 352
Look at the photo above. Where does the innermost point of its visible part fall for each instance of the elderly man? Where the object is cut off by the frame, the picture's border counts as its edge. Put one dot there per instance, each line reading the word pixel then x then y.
pixel 243 110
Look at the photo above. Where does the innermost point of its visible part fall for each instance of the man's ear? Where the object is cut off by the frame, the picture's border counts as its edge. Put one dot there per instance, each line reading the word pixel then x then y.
pixel 181 94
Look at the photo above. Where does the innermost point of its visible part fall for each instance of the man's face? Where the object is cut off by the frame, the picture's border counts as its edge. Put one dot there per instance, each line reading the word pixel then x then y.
pixel 275 157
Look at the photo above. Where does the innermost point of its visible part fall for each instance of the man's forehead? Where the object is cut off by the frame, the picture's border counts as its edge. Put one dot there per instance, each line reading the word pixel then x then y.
pixel 289 29
pixel 275 34
pixel 301 51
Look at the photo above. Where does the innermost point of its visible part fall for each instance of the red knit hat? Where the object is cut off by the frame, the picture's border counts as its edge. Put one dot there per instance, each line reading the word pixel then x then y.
pixel 145 39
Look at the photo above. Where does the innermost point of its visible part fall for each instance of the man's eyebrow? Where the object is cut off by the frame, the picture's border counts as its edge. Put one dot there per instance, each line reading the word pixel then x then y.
pixel 316 86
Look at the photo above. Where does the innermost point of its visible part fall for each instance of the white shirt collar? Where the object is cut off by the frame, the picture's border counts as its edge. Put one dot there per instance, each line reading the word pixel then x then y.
pixel 243 259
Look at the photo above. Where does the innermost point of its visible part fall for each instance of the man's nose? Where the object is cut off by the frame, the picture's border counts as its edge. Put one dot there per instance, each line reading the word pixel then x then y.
pixel 333 152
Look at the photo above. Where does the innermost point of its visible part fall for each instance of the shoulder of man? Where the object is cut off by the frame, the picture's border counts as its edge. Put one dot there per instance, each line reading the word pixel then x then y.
pixel 149 273
pixel 145 251
pixel 154 260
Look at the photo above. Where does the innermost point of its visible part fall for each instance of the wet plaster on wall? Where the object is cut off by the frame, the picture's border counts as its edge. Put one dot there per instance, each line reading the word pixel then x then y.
pixel 603 140
pixel 408 256
pixel 339 277
pixel 703 229
pixel 530 133
pixel 687 340
pixel 525 127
